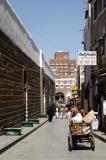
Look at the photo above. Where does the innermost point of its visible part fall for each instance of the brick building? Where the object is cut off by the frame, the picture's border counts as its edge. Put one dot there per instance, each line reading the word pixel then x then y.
pixel 62 65
pixel 65 71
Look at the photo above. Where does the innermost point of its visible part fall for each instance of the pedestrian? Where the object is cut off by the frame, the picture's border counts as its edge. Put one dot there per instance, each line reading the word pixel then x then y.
pixel 61 112
pixel 82 111
pixel 66 112
pixel 50 112
pixel 57 112
pixel 77 117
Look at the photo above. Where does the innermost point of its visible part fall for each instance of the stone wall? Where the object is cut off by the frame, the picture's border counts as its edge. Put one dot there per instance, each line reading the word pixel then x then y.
pixel 20 72
pixel 17 70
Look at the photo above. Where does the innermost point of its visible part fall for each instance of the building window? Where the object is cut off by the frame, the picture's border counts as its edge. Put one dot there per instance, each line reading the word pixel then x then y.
pixel 65 82
pixel 56 86
pixel 61 82
pixel 65 57
pixel 68 81
pixel 68 86
pixel 61 67
pixel 104 3
pixel 61 86
pixel 95 10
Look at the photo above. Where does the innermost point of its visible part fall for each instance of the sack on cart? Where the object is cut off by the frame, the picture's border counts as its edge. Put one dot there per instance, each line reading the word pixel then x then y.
pixel 80 128
pixel 89 117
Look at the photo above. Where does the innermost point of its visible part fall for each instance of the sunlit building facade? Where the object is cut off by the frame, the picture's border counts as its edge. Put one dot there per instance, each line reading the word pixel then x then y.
pixel 65 71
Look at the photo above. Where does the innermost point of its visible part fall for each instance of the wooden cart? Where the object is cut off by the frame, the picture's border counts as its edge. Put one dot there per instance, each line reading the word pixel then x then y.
pixel 80 133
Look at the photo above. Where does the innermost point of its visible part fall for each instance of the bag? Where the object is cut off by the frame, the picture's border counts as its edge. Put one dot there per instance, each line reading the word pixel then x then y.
pixel 78 118
pixel 95 124
pixel 89 117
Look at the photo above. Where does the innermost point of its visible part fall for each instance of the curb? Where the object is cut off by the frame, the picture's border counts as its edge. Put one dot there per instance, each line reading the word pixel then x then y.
pixel 21 138
pixel 100 138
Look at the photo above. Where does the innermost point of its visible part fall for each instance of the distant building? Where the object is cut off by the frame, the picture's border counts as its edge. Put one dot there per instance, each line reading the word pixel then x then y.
pixel 65 71
pixel 62 65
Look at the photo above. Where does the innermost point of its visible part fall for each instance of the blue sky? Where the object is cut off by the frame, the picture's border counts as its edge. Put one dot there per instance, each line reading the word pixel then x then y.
pixel 55 25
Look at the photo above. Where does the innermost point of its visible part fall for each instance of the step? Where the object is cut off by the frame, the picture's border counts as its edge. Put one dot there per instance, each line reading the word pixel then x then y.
pixel 13 131
pixel 27 124
pixel 34 121
pixel 43 116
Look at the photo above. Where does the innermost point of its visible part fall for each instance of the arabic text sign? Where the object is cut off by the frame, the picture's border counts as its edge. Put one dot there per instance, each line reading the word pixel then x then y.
pixel 87 58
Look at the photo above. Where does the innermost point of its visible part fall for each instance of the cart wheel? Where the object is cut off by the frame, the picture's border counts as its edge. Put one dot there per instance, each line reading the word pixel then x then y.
pixel 74 143
pixel 70 144
pixel 92 143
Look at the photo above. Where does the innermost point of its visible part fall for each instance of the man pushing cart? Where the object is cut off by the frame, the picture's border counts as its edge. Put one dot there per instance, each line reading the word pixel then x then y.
pixel 80 130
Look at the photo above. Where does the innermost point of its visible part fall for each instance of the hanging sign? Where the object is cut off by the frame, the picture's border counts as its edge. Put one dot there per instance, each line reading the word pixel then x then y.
pixel 87 58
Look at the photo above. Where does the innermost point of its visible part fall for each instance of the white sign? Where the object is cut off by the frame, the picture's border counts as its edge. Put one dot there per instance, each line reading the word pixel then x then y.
pixel 87 58
pixel 104 107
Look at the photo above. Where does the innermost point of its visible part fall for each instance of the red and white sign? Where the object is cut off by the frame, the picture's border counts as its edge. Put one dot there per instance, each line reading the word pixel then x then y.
pixel 87 58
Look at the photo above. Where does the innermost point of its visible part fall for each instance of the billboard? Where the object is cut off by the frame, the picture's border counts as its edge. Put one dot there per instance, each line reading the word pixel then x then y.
pixel 87 58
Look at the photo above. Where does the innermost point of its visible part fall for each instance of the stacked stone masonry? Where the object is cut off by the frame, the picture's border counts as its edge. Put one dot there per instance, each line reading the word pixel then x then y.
pixel 13 64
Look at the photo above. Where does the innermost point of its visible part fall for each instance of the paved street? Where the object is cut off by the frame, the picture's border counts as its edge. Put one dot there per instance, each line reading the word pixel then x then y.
pixel 49 142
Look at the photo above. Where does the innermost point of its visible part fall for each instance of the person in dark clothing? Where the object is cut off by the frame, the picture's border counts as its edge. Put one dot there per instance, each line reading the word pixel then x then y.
pixel 50 112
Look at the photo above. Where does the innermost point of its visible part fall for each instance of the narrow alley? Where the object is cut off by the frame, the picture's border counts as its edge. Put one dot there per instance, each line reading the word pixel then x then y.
pixel 50 142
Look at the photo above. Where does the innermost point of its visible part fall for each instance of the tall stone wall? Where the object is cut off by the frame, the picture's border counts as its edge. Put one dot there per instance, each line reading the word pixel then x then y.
pixel 17 70
pixel 20 71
